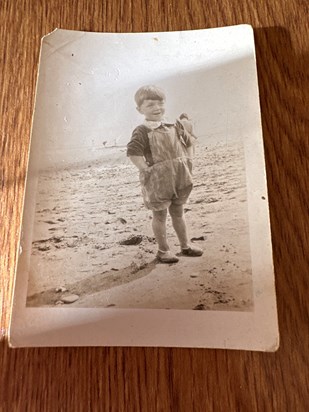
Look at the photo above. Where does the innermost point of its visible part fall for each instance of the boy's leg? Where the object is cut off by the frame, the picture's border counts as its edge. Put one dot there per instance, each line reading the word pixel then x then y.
pixel 159 228
pixel 179 224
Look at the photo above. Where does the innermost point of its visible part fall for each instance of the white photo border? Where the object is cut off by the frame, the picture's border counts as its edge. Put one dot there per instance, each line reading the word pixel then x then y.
pixel 257 330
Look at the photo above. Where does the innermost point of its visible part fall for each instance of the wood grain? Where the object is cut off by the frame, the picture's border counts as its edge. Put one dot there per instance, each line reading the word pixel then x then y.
pixel 147 379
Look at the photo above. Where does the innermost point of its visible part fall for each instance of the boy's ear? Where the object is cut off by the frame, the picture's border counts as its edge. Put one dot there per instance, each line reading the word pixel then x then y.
pixel 138 109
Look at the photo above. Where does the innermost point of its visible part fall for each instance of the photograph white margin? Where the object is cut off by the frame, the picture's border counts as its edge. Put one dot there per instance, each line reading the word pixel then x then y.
pixel 257 330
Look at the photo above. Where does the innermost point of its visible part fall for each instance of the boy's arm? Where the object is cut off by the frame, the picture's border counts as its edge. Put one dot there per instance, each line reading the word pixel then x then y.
pixel 139 162
pixel 187 138
pixel 137 147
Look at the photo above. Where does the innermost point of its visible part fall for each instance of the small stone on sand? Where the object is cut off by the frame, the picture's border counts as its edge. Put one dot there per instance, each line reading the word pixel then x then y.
pixel 121 220
pixel 57 239
pixel 70 298
pixel 61 289
pixel 199 307
pixel 198 238
pixel 132 240
pixel 43 248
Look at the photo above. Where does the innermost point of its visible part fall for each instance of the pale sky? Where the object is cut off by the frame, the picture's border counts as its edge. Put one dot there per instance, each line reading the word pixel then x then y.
pixel 87 83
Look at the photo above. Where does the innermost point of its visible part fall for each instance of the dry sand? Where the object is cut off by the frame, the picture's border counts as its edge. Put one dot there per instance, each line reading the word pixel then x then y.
pixel 84 213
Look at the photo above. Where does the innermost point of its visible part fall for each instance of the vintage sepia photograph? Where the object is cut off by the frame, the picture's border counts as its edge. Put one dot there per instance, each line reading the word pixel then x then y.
pixel 145 206
pixel 142 174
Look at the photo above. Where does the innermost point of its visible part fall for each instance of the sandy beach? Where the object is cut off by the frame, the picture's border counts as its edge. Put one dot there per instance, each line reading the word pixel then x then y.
pixel 93 242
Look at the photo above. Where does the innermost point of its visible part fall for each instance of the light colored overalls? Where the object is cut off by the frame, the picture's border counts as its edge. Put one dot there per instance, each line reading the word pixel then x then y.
pixel 169 180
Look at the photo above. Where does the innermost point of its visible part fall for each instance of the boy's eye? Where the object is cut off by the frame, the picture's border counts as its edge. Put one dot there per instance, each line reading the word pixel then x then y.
pixel 154 103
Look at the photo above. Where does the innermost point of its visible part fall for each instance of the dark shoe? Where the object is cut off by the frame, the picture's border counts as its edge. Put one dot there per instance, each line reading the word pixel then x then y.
pixel 167 257
pixel 192 251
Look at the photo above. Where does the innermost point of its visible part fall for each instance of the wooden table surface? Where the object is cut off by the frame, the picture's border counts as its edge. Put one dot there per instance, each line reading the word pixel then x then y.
pixel 156 379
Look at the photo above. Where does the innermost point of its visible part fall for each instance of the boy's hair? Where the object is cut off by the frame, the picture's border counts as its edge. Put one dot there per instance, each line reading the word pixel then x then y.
pixel 184 116
pixel 148 93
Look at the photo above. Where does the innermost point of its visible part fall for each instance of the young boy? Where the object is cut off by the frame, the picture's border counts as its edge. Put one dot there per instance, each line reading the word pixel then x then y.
pixel 163 154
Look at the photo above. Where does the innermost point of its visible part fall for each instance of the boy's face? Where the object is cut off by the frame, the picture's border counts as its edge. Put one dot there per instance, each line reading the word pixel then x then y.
pixel 152 109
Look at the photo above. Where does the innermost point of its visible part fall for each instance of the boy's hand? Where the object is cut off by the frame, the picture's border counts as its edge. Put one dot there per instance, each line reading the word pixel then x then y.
pixel 144 175
pixel 179 125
